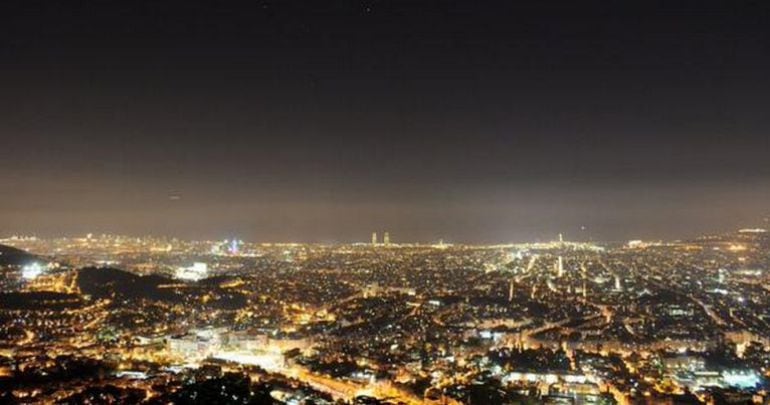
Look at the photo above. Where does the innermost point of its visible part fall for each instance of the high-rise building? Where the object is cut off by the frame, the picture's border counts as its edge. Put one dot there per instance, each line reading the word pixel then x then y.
pixel 233 247
pixel 374 238
pixel 386 239
pixel 560 267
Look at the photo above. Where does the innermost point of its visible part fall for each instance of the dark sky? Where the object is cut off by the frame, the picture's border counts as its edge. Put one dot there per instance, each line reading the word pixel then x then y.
pixel 471 121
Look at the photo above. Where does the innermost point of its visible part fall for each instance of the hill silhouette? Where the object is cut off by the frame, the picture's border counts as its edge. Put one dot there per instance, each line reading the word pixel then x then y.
pixel 11 256
pixel 109 282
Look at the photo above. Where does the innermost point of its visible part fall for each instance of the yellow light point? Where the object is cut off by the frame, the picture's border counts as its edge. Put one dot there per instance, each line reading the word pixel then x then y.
pixel 232 284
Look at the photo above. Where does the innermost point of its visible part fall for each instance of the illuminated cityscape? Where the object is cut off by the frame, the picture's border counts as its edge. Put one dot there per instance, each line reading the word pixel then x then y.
pixel 642 321
pixel 384 202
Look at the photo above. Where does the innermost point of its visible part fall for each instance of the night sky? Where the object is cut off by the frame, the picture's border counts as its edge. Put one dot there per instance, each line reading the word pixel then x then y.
pixel 323 121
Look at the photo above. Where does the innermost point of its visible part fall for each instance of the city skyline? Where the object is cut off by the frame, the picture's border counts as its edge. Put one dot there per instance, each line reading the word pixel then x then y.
pixel 384 202
pixel 373 241
pixel 111 319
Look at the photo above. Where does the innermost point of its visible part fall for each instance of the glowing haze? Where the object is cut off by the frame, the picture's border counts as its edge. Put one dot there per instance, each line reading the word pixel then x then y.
pixel 320 122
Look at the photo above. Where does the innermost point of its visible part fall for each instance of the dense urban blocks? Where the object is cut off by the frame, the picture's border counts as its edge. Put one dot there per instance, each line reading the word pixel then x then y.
pixel 115 317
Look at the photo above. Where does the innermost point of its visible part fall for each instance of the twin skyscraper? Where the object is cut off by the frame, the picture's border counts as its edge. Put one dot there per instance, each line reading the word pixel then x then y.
pixel 385 239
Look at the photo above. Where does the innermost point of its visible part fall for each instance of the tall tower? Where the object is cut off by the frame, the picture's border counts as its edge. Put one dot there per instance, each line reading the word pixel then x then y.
pixel 510 291
pixel 233 247
pixel 386 239
pixel 374 238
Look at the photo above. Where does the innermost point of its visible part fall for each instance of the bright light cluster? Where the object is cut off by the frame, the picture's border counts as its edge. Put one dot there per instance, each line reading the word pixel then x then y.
pixel 195 272
pixel 32 271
